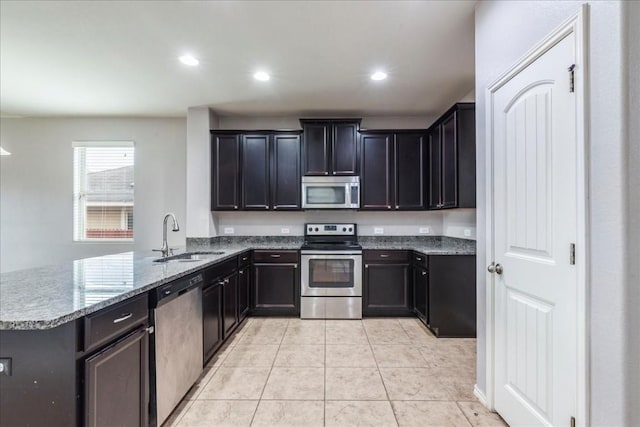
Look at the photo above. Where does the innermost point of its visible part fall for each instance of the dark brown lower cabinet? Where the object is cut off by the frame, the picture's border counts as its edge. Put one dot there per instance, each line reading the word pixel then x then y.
pixel 243 292
pixel 275 289
pixel 421 293
pixel 211 319
pixel 452 295
pixel 230 304
pixel 116 389
pixel 387 289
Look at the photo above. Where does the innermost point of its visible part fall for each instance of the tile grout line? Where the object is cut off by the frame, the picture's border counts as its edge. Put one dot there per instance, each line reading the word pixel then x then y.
pixel 463 413
pixel 255 411
pixel 324 403
pixel 380 373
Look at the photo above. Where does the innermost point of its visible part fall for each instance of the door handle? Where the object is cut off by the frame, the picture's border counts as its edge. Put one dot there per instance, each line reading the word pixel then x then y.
pixel 495 268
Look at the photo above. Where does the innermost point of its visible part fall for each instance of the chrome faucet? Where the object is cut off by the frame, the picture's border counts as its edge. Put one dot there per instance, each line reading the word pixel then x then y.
pixel 166 251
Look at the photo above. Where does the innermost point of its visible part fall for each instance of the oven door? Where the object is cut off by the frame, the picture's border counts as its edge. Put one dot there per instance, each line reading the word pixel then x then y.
pixel 331 274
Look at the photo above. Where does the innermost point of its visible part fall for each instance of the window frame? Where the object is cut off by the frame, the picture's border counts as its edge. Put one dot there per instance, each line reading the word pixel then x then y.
pixel 78 225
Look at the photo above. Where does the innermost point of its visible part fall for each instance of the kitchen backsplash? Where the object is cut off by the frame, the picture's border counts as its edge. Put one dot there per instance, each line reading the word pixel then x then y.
pixel 453 223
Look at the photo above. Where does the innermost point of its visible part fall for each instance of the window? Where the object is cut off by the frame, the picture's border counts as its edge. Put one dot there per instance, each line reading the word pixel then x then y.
pixel 103 191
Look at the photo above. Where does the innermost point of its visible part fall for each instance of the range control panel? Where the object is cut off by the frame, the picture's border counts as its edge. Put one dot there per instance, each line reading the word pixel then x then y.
pixel 330 229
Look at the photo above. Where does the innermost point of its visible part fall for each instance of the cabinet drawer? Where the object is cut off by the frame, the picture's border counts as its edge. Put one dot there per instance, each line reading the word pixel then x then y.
pixel 275 256
pixel 420 260
pixel 105 325
pixel 244 259
pixel 223 269
pixel 386 256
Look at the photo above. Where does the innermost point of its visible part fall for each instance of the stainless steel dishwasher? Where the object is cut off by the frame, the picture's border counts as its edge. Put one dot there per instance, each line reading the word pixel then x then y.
pixel 177 343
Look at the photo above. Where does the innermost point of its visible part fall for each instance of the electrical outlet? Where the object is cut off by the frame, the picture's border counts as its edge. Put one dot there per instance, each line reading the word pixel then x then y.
pixel 285 231
pixel 424 230
pixel 467 232
pixel 378 230
pixel 229 230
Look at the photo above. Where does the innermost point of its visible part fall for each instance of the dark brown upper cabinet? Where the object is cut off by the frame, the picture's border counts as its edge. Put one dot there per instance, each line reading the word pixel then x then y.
pixel 376 183
pixel 330 147
pixel 452 159
pixel 255 170
pixel 393 170
pixel 225 172
pixel 285 172
pixel 409 161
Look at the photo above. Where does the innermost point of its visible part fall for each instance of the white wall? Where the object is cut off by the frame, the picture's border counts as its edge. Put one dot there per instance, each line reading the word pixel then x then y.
pixel 200 120
pixel 504 32
pixel 633 207
pixel 291 122
pixel 36 186
pixel 271 223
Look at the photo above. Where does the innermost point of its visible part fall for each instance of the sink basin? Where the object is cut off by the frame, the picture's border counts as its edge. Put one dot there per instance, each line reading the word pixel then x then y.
pixel 190 256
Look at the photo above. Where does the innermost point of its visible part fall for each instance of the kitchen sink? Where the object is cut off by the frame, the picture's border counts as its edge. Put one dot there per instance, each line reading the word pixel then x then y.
pixel 190 256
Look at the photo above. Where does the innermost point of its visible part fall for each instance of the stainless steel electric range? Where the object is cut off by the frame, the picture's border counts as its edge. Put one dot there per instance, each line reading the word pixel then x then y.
pixel 331 281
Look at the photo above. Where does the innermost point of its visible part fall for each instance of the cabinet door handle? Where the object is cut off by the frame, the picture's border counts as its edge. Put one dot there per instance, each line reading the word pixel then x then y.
pixel 418 258
pixel 424 273
pixel 235 207
pixel 397 206
pixel 245 258
pixel 241 272
pixel 388 206
pixel 275 256
pixel 384 255
pixel 366 266
pixel 123 318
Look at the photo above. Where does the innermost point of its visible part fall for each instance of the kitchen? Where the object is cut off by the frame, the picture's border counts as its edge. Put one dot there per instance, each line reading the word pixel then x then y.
pixel 163 184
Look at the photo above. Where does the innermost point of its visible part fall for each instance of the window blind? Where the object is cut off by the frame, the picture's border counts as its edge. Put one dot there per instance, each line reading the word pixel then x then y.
pixel 103 187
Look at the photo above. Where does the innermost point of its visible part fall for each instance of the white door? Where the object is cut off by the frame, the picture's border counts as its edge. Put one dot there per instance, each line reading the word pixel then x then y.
pixel 535 222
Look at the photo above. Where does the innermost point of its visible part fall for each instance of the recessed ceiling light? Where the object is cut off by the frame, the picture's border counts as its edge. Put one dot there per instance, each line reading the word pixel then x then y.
pixel 189 60
pixel 263 76
pixel 378 75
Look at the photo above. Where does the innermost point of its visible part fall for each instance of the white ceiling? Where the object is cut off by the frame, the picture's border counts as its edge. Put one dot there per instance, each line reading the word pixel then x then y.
pixel 95 58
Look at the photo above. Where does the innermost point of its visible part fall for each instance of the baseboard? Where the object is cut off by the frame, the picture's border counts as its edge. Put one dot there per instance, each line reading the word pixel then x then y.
pixel 481 397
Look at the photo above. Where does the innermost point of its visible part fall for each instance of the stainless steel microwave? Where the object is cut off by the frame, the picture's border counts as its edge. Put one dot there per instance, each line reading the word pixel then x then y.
pixel 330 192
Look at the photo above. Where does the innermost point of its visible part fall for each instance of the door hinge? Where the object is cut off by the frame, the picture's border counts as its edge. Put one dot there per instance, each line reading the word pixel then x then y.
pixel 572 254
pixel 573 421
pixel 572 77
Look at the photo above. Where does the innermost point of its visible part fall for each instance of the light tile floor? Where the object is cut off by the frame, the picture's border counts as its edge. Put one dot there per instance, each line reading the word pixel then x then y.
pixel 280 372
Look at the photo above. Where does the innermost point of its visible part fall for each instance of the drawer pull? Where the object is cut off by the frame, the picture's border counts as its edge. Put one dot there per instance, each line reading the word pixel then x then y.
pixel 123 318
pixel 384 255
pixel 275 256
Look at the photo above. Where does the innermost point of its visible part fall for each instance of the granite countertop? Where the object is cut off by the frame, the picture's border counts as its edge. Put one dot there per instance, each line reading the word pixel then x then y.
pixel 46 297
